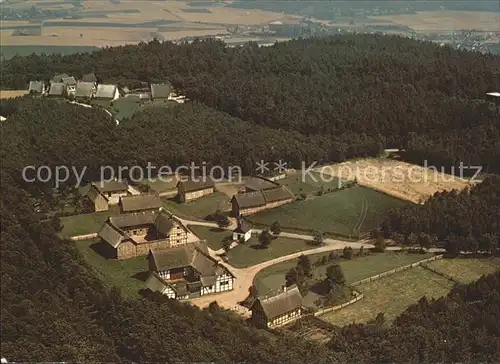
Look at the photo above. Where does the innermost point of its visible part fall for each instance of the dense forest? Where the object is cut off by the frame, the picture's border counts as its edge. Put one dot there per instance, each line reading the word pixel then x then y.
pixel 304 100
pixel 467 221
pixel 54 309
pixel 389 91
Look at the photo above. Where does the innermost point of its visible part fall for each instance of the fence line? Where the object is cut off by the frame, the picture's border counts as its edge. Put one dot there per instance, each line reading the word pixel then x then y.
pixel 359 295
pixel 338 307
pixel 444 275
pixel 392 271
pixel 84 237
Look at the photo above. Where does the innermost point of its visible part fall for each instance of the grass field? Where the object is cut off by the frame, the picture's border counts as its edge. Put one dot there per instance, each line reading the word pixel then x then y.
pixel 128 275
pixel 466 270
pixel 83 224
pixel 250 253
pixel 213 236
pixel 199 208
pixel 272 278
pixel 350 212
pixel 310 184
pixel 391 295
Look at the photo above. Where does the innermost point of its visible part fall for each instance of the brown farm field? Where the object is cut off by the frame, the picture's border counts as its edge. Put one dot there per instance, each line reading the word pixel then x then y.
pixel 10 94
pixel 399 179
pixel 438 21
pixel 135 21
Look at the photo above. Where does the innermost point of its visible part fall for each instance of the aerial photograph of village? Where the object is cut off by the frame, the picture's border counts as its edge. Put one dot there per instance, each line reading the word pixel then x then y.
pixel 250 181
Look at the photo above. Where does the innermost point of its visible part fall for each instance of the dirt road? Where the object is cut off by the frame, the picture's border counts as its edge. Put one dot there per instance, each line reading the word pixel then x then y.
pixel 245 276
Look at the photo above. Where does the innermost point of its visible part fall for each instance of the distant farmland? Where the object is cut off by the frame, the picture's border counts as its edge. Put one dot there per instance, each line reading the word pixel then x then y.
pixel 9 51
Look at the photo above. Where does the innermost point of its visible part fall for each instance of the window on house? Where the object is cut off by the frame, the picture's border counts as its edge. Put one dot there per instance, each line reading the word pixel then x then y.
pixel 224 283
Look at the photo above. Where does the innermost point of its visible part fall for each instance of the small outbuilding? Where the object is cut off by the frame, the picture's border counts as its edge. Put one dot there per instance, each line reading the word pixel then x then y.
pixel 277 310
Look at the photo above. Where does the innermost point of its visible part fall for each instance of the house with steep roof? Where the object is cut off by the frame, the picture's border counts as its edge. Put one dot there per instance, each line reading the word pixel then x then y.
pixel 70 84
pixel 133 235
pixel 107 92
pixel 59 77
pixel 187 272
pixel 57 89
pixel 106 193
pixel 277 310
pixel 84 90
pixel 140 204
pixel 243 231
pixel 192 189
pixel 89 77
pixel 259 184
pixel 253 202
pixel 161 91
pixel 36 88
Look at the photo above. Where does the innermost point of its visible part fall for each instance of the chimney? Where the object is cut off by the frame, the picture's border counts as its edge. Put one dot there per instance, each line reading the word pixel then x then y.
pixel 284 288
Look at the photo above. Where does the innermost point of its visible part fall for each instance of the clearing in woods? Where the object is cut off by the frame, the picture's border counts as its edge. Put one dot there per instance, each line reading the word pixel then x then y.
pixel 350 212
pixel 466 270
pixel 399 179
pixel 272 278
pixel 391 295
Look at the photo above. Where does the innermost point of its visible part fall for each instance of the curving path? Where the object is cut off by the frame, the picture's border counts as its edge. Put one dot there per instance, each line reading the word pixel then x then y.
pixel 245 276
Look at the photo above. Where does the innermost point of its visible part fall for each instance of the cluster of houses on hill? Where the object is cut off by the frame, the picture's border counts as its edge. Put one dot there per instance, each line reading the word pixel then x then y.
pixel 180 265
pixel 88 88
pixel 256 194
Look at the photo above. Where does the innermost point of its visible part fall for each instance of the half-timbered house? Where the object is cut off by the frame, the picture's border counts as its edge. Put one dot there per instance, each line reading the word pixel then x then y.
pixel 277 310
pixel 132 235
pixel 106 193
pixel 191 189
pixel 252 202
pixel 187 272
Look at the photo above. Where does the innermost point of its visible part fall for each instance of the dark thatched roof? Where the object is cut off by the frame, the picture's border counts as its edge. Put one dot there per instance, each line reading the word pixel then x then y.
pixel 111 235
pixel 277 194
pixel 243 227
pixel 250 199
pixel 59 77
pixel 192 254
pixel 57 89
pixel 105 91
pixel 84 89
pixel 160 91
pixel 111 186
pixel 140 203
pixel 36 87
pixel 89 77
pixel 282 303
pixel 69 81
pixel 191 185
pixel 259 183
